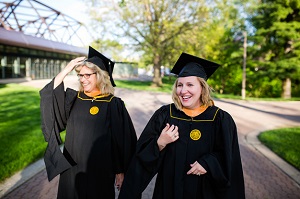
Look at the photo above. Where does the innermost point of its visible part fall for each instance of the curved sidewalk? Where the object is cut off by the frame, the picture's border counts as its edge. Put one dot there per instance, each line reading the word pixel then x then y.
pixel 266 175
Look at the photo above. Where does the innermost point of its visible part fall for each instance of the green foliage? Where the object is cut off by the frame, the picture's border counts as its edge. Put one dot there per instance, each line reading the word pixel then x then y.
pixel 264 86
pixel 160 30
pixel 276 44
pixel 105 45
pixel 122 3
pixel 156 32
pixel 168 82
pixel 285 143
pixel 228 78
pixel 296 88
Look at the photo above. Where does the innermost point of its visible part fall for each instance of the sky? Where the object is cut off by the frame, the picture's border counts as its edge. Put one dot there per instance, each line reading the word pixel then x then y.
pixel 73 8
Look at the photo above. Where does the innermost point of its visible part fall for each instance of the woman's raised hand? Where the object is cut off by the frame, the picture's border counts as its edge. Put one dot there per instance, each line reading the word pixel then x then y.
pixel 60 77
pixel 73 63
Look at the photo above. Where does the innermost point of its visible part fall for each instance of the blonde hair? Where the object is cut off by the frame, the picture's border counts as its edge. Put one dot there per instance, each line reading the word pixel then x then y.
pixel 103 78
pixel 205 97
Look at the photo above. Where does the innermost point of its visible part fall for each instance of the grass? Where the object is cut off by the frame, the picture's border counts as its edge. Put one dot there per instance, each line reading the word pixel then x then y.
pixel 285 143
pixel 147 85
pixel 22 142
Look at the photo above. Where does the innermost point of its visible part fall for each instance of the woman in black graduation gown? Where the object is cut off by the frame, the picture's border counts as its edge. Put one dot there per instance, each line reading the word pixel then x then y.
pixel 190 144
pixel 100 137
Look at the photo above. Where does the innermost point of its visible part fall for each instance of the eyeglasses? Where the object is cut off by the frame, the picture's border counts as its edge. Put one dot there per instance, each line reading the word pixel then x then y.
pixel 86 76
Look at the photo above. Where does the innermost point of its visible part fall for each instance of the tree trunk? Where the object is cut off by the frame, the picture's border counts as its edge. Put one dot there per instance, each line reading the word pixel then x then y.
pixel 156 81
pixel 286 89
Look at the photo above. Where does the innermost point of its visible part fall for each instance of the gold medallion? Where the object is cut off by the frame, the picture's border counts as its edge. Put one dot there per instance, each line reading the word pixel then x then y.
pixel 195 134
pixel 94 110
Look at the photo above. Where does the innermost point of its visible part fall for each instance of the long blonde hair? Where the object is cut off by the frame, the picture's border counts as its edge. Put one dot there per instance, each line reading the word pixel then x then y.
pixel 103 79
pixel 205 97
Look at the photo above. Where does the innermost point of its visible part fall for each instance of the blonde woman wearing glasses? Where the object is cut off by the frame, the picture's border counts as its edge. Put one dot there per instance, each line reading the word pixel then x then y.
pixel 100 137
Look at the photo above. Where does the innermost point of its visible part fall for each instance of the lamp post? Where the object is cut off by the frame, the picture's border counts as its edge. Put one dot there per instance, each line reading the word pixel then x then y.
pixel 244 66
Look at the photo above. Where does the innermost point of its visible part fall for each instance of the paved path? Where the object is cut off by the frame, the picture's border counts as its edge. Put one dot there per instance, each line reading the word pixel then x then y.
pixel 266 175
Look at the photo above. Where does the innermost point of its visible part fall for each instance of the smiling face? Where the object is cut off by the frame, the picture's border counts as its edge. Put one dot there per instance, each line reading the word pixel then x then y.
pixel 188 90
pixel 89 84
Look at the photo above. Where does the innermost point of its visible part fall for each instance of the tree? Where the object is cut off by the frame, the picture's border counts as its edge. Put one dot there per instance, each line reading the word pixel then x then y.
pixel 277 41
pixel 228 48
pixel 156 28
pixel 109 48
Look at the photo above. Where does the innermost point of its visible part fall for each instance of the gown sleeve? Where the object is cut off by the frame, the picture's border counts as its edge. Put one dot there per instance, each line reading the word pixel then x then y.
pixel 123 135
pixel 224 163
pixel 147 149
pixel 53 121
pixel 146 160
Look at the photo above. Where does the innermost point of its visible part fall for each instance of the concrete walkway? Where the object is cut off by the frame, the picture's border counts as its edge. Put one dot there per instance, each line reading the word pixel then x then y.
pixel 266 175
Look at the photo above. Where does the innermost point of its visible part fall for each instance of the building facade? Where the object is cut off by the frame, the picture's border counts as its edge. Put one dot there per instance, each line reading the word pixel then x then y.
pixel 24 56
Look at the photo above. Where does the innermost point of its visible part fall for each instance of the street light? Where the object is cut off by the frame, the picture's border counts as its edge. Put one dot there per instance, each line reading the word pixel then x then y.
pixel 244 66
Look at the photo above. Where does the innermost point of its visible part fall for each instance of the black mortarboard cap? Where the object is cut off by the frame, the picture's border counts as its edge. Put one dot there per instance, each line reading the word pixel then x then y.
pixel 102 62
pixel 189 65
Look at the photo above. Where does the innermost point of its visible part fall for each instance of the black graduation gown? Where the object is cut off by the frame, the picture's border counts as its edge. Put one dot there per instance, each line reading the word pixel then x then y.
pixel 217 150
pixel 100 141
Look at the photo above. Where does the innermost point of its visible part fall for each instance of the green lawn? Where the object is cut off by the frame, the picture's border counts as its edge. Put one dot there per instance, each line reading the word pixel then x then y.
pixel 285 143
pixel 22 142
pixel 146 85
